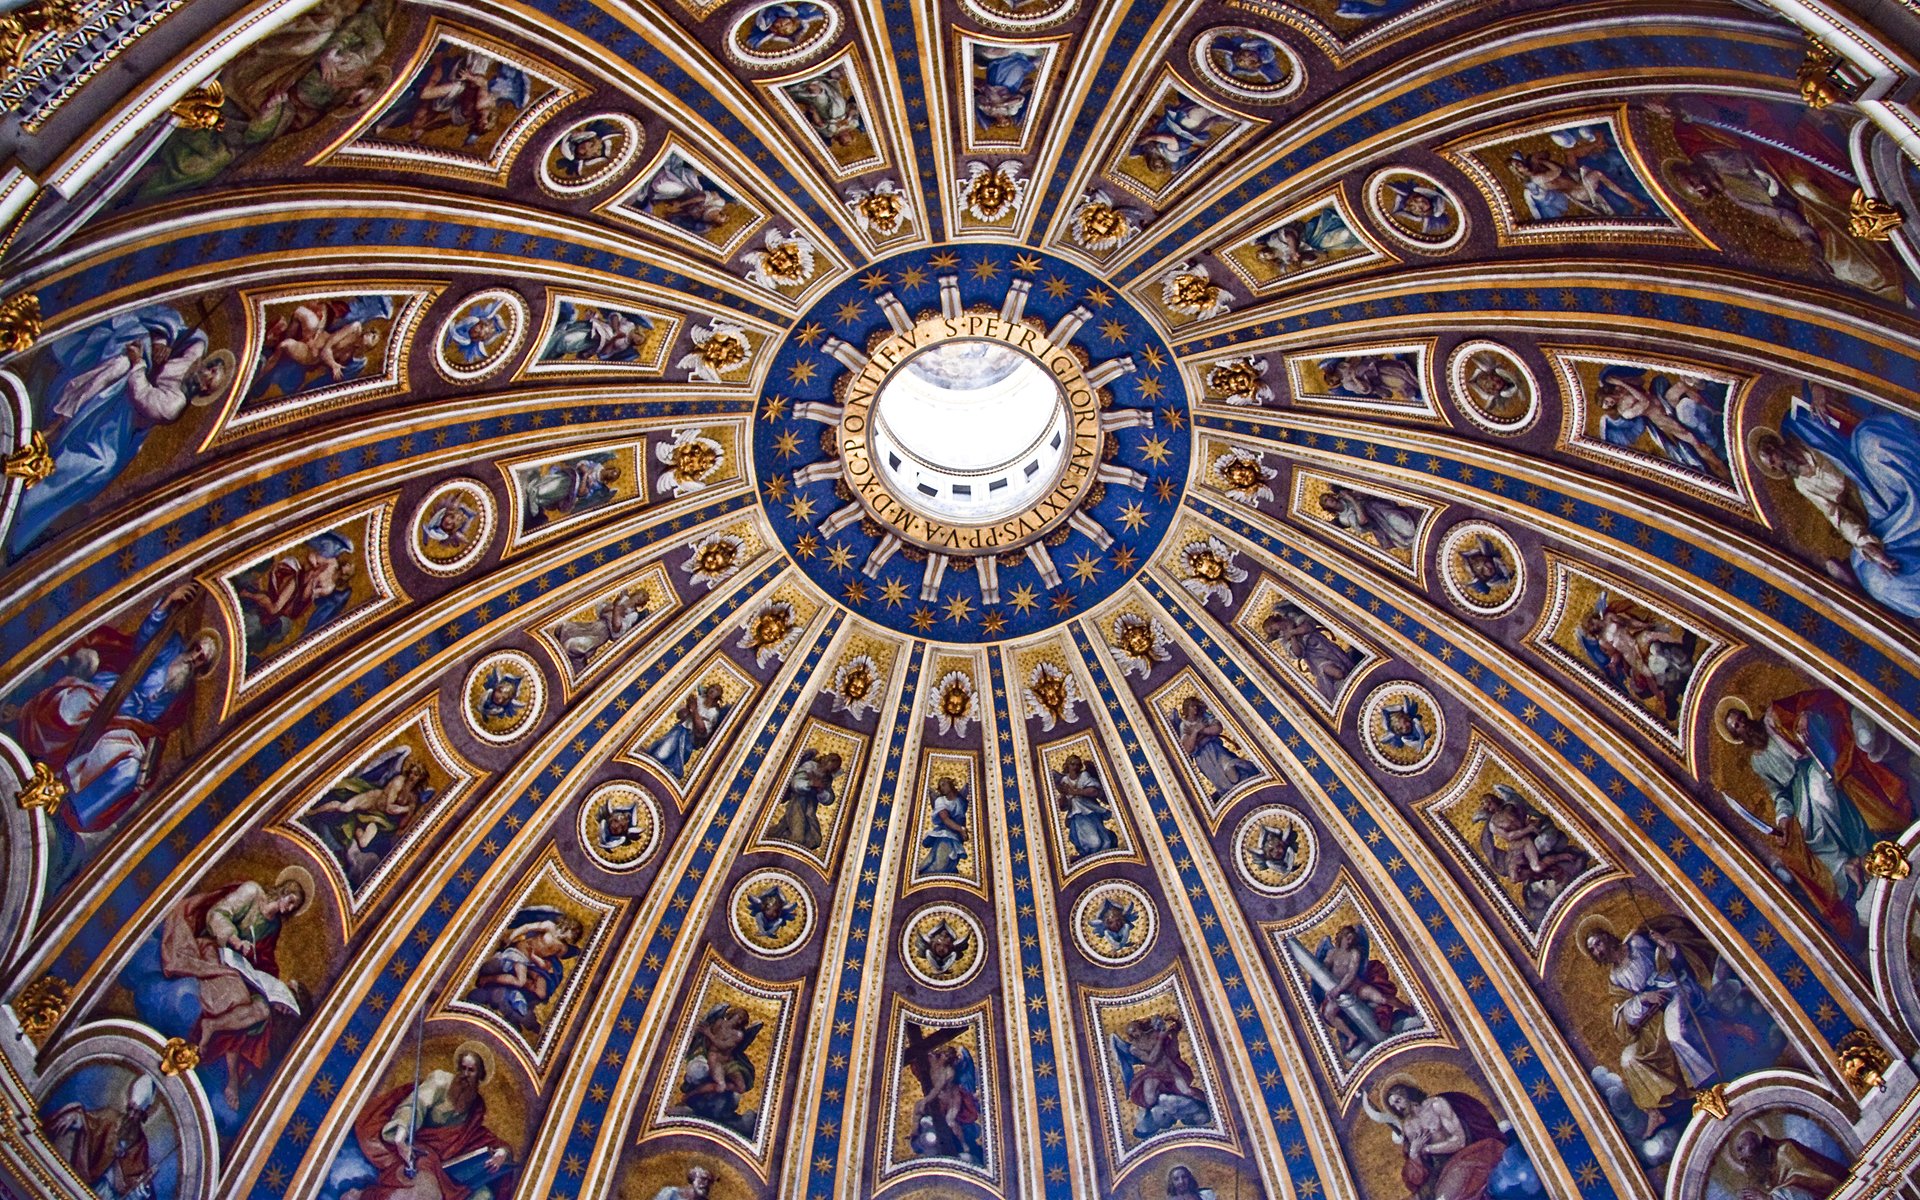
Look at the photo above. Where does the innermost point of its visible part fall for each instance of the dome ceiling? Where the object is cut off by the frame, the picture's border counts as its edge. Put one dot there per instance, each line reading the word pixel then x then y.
pixel 528 675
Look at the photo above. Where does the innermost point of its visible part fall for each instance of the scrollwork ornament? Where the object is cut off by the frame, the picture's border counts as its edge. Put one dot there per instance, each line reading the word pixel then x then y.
pixel 1872 220
pixel 200 108
pixel 1886 860
pixel 32 462
pixel 43 790
pixel 178 1057
pixel 19 322
pixel 1863 1062
pixel 41 1004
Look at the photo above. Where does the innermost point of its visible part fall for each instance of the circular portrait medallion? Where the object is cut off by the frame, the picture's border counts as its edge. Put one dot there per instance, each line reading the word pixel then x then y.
pixel 1247 64
pixel 1020 14
pixel 588 155
pixel 772 912
pixel 783 34
pixel 619 826
pixel 1114 923
pixel 1481 568
pixel 505 695
pixel 452 527
pixel 1274 850
pixel 1401 727
pixel 481 335
pixel 943 945
pixel 1416 209
pixel 1493 386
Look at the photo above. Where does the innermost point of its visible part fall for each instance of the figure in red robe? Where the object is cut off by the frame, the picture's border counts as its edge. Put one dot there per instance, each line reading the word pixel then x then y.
pixel 431 1138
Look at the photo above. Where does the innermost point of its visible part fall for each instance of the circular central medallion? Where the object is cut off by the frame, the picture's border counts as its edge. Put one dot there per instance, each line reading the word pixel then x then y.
pixel 972 443
pixel 970 434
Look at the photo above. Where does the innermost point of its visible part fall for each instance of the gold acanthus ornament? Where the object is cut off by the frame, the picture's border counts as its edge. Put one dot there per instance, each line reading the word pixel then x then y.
pixel 1711 1102
pixel 1863 1062
pixel 40 1005
pixel 31 463
pixel 201 107
pixel 1871 219
pixel 1886 860
pixel 178 1057
pixel 43 790
pixel 26 25
pixel 19 322
pixel 1820 82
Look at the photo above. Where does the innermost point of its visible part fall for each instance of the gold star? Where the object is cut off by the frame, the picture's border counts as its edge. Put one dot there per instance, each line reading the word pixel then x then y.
pixel 801 372
pixel 806 545
pixel 1176 419
pixel 787 444
pixel 1151 387
pixel 839 557
pixel 944 260
pixel 801 509
pixel 1154 358
pixel 993 623
pixel 923 618
pixel 1164 489
pixel 777 487
pixel 1063 601
pixel 1123 560
pixel 1099 297
pixel 1024 597
pixel 959 608
pixel 893 593
pixel 855 592
pixel 1156 450
pixel 873 281
pixel 849 312
pixel 1086 567
pixel 775 409
pixel 985 269
pixel 1134 516
pixel 913 277
pixel 1057 287
pixel 1113 330
pixel 809 333
pixel 1026 264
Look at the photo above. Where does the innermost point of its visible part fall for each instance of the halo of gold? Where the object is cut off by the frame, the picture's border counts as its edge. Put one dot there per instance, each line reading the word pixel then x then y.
pixel 479 1050
pixel 1720 714
pixel 301 876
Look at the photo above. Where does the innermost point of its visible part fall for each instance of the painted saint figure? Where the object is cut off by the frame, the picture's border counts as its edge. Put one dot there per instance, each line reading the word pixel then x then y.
pixel 946 838
pixel 1824 766
pixel 431 1138
pixel 460 89
pixel 1317 238
pixel 1527 848
pixel 1859 466
pixel 296 595
pixel 1159 1080
pixel 318 343
pixel 693 727
pixel 118 381
pixel 1682 420
pixel 1359 998
pixel 1452 1142
pixel 1639 651
pixel 1003 86
pixel 1310 645
pixel 612 619
pixel 527 968
pixel 556 490
pixel 1391 525
pixel 1784 1168
pixel 107 1147
pixel 106 719
pixel 809 789
pixel 1576 179
pixel 586 333
pixel 1083 798
pixel 226 941
pixel 1203 739
pixel 360 818
pixel 715 1071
